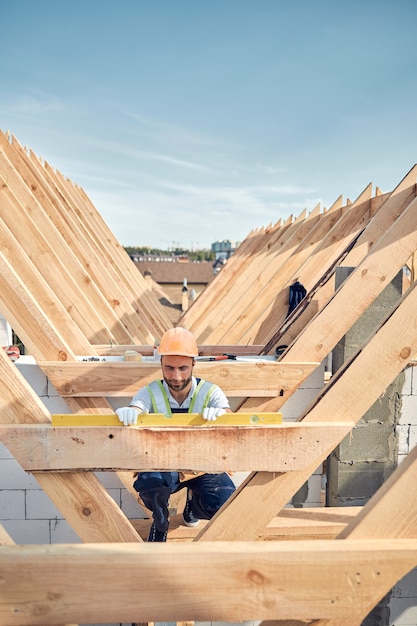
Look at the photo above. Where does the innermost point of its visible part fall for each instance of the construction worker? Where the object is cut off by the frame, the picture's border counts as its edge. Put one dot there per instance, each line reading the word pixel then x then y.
pixel 179 392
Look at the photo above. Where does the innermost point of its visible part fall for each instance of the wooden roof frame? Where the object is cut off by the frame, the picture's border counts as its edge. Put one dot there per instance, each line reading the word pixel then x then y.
pixel 375 235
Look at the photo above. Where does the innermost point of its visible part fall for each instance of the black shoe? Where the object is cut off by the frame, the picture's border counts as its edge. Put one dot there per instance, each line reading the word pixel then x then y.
pixel 189 518
pixel 157 535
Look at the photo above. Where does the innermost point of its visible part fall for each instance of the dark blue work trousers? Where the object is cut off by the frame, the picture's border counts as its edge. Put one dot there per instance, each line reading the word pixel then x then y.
pixel 209 493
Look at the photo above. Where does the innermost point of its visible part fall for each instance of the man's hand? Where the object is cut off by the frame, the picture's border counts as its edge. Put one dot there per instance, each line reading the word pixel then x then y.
pixel 127 415
pixel 210 413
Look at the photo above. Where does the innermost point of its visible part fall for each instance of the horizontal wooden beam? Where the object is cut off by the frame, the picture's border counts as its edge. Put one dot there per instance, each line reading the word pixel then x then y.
pixel 124 378
pixel 277 448
pixel 207 581
pixel 290 523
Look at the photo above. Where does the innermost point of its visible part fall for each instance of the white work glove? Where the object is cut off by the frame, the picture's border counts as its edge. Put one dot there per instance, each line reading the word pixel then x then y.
pixel 210 413
pixel 127 415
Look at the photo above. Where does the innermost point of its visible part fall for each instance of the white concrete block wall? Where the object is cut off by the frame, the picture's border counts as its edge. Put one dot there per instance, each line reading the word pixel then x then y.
pixel 403 602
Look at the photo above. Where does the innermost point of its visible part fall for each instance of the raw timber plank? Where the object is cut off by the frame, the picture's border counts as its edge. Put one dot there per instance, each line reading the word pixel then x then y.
pixel 391 513
pixel 231 582
pixel 69 225
pixel 392 207
pixel 34 326
pixel 53 216
pixel 217 287
pixel 46 251
pixel 273 269
pixel 265 269
pixel 294 524
pixel 351 392
pixel 323 244
pixel 246 283
pixel 37 326
pixel 127 276
pixel 123 378
pixel 385 259
pixel 276 448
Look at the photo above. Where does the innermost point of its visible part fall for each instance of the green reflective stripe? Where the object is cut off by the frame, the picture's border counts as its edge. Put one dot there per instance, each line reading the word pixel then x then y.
pixel 194 398
pixel 205 388
pixel 153 399
pixel 164 396
pixel 207 398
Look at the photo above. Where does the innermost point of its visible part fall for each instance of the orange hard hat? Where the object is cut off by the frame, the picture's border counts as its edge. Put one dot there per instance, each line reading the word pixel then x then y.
pixel 178 342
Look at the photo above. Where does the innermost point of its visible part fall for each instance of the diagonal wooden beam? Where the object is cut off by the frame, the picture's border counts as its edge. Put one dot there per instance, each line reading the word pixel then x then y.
pixel 391 513
pixel 242 290
pixel 81 498
pixel 216 294
pixel 349 394
pixel 361 288
pixel 307 265
pixel 56 261
pixel 396 202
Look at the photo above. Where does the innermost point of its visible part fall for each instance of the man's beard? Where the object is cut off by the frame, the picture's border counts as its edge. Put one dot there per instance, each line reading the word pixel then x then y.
pixel 178 386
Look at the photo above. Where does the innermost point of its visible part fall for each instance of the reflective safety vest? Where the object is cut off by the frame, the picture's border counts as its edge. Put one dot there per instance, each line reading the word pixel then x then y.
pixel 199 401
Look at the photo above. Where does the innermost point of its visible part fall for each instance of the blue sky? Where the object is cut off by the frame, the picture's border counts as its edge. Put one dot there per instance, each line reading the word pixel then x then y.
pixel 191 121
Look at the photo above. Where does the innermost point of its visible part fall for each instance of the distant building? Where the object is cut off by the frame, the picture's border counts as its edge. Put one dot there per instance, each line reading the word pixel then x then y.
pixel 171 275
pixel 176 274
pixel 223 249
pixel 141 257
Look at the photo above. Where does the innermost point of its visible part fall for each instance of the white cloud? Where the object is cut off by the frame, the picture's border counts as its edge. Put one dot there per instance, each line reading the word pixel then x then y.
pixel 34 103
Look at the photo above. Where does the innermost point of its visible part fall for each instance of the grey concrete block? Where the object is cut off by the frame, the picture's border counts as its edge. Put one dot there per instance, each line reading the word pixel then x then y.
pixel 39 505
pixel 61 532
pixel 35 377
pixel 355 482
pixel 28 531
pixel 56 405
pixel 110 480
pixel 369 442
pixel 131 507
pixel 403 612
pixel 12 504
pixel 407 586
pixel 4 453
pixel 12 476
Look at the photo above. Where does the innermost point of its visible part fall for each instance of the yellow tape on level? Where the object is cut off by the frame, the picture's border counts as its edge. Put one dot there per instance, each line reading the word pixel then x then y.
pixel 176 419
